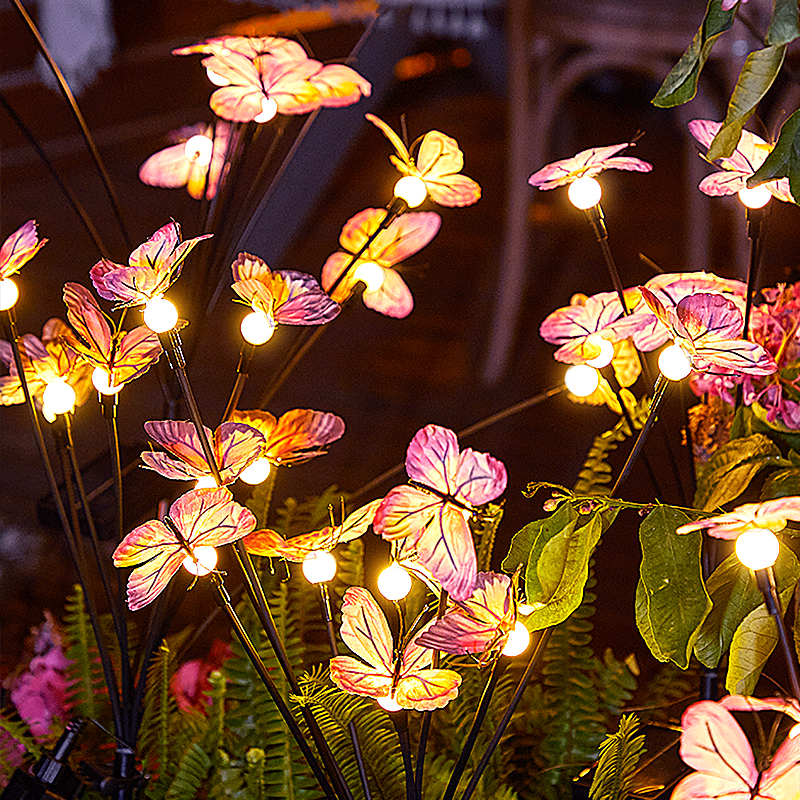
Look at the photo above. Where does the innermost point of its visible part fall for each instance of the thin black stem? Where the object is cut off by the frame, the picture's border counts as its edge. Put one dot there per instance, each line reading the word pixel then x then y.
pixel 477 722
pixel 400 721
pixel 755 232
pixel 765 578
pixel 242 373
pixel 512 707
pixel 78 115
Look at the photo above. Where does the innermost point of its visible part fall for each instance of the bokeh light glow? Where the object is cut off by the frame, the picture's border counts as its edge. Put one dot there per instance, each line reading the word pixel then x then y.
pixel 757 197
pixel 371 274
pixel 673 363
pixel 389 704
pixel 59 397
pixel 319 566
pixel 198 149
pixel 757 548
pixel 518 640
pixel 204 561
pixel 394 583
pixel 584 193
pixel 581 379
pixel 257 328
pixel 257 472
pixel 9 294
pixel 606 351
pixel 101 380
pixel 411 189
pixel 160 315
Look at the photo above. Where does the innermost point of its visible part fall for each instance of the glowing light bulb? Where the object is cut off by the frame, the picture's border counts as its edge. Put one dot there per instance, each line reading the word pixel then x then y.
pixel 257 328
pixel 673 363
pixel 581 379
pixel 101 379
pixel 389 704
pixel 160 315
pixel 269 108
pixel 757 548
pixel 518 640
pixel 584 193
pixel 757 197
pixel 606 351
pixel 198 149
pixel 204 561
pixel 411 189
pixel 319 566
pixel 216 78
pixel 371 274
pixel 9 294
pixel 257 472
pixel 394 583
pixel 794 731
pixel 58 398
pixel 524 609
pixel 206 482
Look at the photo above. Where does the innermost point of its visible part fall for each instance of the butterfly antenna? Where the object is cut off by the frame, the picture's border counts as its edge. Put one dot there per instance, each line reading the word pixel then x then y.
pixel 404 130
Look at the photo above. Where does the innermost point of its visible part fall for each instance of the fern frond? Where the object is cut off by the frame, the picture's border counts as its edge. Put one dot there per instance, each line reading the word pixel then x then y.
pixel 310 514
pixel 619 756
pixel 254 780
pixel 616 681
pixel 17 730
pixel 192 770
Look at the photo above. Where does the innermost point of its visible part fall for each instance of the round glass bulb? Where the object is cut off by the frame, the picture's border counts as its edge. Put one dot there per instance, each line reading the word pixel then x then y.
pixel 411 189
pixel 794 731
pixel 757 548
pixel 59 397
pixel 581 379
pixel 9 294
pixel 257 328
pixel 257 472
pixel 216 78
pixel 160 315
pixel 269 108
pixel 319 566
pixel 757 197
pixel 206 482
pixel 371 274
pixel 205 559
pixel 673 363
pixel 389 703
pixel 198 149
pixel 101 380
pixel 518 640
pixel 394 583
pixel 606 351
pixel 584 192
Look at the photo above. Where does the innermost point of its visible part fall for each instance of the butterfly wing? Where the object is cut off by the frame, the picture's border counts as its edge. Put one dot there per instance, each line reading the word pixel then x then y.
pixel 340 85
pixel 19 248
pixel 138 350
pixel 181 440
pixel 299 300
pixel 404 237
pixel 402 151
pixel 88 320
pixel 236 446
pixel 439 162
pixel 210 517
pixel 365 629
pixel 393 299
pixel 405 512
pixel 301 434
pixel 479 478
pixel 432 457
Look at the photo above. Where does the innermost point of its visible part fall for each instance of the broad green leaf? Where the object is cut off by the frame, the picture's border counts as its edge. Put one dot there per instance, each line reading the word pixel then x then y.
pixel 644 623
pixel 672 583
pixel 680 85
pixel 784 27
pixel 784 160
pixel 753 419
pixel 758 74
pixel 783 483
pixel 558 569
pixel 523 542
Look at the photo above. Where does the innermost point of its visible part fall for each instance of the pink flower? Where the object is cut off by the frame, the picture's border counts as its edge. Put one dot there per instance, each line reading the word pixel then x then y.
pixel 19 248
pixel 771 515
pixel 190 683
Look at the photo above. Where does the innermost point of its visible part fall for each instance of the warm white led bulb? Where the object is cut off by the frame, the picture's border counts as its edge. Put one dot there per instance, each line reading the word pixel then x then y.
pixel 257 472
pixel 205 559
pixel 9 294
pixel 371 273
pixel 673 363
pixel 584 192
pixel 160 315
pixel 101 380
pixel 257 328
pixel 794 731
pixel 216 78
pixel 606 351
pixel 59 397
pixel 757 197
pixel 198 149
pixel 394 583
pixel 525 609
pixel 389 704
pixel 518 640
pixel 581 379
pixel 411 189
pixel 757 548
pixel 269 108
pixel 206 482
pixel 319 566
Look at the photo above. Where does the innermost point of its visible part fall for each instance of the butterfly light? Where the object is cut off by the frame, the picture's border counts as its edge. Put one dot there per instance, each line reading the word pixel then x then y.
pixel 771 515
pixel 197 161
pixel 403 237
pixel 444 488
pixel 438 163
pixel 19 248
pixel 152 268
pixel 706 327
pixel 587 164
pixel 203 518
pixel 714 745
pixel 234 444
pixel 403 673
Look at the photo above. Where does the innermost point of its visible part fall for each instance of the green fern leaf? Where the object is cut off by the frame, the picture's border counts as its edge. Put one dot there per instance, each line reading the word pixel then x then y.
pixel 192 770
pixel 619 756
pixel 17 730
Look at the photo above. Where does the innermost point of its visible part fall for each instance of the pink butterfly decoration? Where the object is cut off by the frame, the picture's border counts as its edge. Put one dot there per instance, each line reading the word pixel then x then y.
pixel 479 624
pixel 404 673
pixel 198 167
pixel 438 163
pixel 707 327
pixel 713 744
pixel 270 543
pixel 152 268
pixel 234 444
pixel 286 297
pixel 204 517
pixel 259 76
pixel 771 514
pixel 403 237
pixel 123 355
pixel 749 155
pixel 19 248
pixel 432 512
pixel 300 434
pixel 587 164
